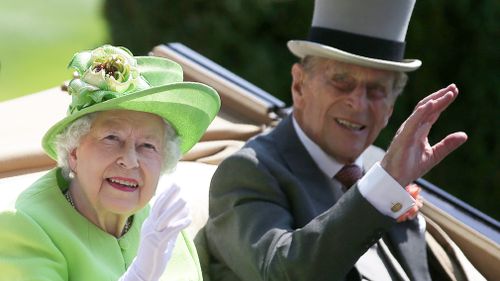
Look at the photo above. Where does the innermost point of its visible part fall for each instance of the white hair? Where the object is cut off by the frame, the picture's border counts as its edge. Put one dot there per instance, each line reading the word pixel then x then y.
pixel 70 138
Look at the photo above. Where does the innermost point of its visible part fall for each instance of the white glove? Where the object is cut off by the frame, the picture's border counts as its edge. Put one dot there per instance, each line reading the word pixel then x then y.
pixel 169 215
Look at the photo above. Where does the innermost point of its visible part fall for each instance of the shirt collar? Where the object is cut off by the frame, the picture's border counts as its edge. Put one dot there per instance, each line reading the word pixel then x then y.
pixel 327 164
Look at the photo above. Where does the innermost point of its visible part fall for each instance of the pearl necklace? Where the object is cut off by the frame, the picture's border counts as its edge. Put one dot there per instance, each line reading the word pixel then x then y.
pixel 67 194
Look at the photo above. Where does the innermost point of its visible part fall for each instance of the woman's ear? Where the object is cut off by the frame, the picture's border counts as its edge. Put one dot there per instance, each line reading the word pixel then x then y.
pixel 72 159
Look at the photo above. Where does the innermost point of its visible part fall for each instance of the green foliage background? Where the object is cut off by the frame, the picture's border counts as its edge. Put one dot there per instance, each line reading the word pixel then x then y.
pixel 38 39
pixel 458 42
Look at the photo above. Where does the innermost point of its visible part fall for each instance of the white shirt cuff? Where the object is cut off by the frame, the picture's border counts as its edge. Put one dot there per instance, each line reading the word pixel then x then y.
pixel 385 193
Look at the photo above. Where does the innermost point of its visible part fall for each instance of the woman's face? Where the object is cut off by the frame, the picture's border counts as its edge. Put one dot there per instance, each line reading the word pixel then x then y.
pixel 118 163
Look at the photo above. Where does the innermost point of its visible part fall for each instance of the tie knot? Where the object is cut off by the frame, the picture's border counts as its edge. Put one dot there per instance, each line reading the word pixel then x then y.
pixel 349 175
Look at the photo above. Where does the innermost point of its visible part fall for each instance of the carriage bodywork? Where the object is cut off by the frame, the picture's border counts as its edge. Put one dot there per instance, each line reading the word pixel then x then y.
pixel 455 227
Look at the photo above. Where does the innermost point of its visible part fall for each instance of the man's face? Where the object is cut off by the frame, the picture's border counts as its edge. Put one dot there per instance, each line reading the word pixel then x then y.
pixel 340 106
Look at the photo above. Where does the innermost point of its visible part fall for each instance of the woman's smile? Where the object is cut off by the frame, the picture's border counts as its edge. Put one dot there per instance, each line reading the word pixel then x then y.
pixel 123 184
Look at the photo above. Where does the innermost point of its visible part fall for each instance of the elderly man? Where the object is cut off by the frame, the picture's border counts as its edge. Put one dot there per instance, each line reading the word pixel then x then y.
pixel 306 201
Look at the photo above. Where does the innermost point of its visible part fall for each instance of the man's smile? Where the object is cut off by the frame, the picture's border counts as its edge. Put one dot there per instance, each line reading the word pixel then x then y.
pixel 349 125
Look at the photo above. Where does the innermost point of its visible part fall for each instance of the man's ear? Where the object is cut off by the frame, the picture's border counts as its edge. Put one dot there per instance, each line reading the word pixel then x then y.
pixel 297 84
pixel 388 116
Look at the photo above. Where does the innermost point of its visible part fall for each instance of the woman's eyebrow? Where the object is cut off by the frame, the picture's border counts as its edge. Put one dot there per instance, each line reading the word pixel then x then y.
pixel 152 137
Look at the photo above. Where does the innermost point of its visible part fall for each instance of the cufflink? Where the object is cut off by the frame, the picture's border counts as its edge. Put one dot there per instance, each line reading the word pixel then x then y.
pixel 396 207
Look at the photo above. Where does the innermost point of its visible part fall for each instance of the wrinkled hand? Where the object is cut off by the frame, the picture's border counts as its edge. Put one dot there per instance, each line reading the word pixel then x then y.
pixel 169 215
pixel 414 191
pixel 410 155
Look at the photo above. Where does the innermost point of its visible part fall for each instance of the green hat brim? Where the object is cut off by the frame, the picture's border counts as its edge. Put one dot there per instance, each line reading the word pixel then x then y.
pixel 188 106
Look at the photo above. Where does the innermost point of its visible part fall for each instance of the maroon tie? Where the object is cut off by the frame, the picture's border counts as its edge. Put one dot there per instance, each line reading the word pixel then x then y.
pixel 349 175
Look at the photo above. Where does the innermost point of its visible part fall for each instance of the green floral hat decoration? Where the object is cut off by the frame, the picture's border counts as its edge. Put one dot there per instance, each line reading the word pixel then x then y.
pixel 111 78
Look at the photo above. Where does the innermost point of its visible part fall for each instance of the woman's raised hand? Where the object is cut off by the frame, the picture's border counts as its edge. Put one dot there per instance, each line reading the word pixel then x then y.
pixel 169 215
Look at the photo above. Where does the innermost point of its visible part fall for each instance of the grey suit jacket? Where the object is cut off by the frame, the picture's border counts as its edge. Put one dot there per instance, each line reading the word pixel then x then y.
pixel 275 216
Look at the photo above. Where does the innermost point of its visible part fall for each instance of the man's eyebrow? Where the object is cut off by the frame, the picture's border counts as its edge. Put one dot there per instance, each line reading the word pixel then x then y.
pixel 379 82
pixel 341 75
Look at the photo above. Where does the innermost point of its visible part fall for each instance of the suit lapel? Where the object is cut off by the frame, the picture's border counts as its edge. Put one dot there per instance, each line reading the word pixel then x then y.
pixel 302 166
pixel 391 259
pixel 408 245
pixel 293 151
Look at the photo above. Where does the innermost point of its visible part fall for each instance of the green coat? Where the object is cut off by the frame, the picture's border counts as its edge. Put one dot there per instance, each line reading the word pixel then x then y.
pixel 42 237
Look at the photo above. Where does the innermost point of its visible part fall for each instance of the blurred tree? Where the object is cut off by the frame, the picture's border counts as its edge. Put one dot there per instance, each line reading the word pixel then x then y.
pixel 456 40
pixel 247 37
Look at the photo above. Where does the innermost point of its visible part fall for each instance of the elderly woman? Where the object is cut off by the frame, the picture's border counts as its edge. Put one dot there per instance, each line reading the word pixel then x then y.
pixel 130 120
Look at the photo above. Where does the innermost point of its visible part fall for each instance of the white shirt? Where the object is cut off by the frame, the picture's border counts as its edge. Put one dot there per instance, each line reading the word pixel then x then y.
pixel 376 186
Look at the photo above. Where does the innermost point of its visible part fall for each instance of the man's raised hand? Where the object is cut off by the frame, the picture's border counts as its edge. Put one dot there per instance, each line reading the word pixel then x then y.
pixel 410 155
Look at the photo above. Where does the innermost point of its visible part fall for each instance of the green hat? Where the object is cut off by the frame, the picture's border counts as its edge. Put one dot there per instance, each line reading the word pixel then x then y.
pixel 111 78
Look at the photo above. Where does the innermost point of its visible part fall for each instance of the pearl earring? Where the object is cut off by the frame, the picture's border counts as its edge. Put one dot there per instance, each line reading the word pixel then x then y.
pixel 71 175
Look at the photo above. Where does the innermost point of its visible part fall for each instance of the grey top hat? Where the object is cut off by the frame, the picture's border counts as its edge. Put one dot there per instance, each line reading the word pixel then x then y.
pixel 369 33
